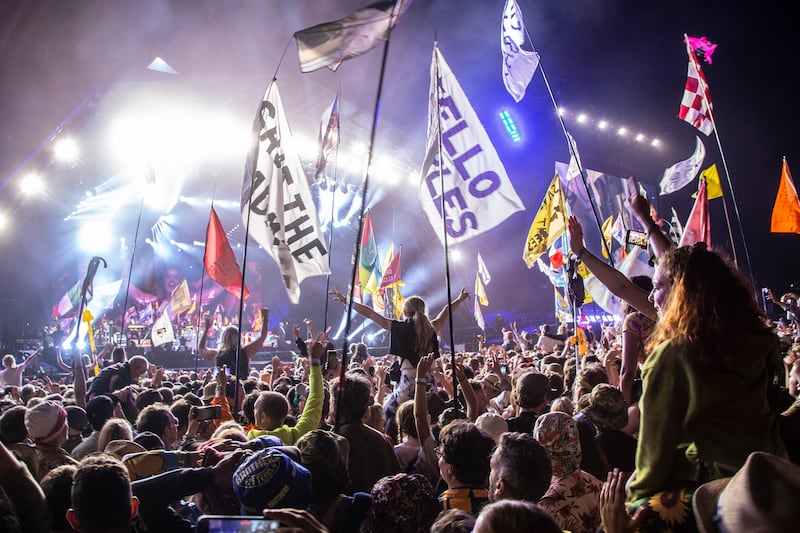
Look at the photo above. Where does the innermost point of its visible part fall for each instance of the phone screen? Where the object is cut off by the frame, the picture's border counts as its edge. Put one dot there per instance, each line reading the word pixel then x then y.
pixel 636 238
pixel 236 524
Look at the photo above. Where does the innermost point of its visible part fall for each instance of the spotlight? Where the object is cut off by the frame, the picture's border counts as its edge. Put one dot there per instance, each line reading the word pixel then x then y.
pixel 639 137
pixel 622 132
pixel 602 125
pixel 655 142
pixel 32 184
pixel 66 150
pixel 582 118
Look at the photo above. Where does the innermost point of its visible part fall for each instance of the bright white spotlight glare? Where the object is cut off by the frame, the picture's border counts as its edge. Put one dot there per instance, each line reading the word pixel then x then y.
pixel 3 221
pixel 622 132
pixel 655 142
pixel 639 137
pixel 602 124
pixel 455 255
pixel 66 150
pixel 32 184
pixel 582 118
pixel 562 111
pixel 94 237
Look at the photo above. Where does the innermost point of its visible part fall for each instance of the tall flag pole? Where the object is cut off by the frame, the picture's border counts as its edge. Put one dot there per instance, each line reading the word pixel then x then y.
pixel 327 45
pixel 329 146
pixel 123 327
pixel 573 149
pixel 697 109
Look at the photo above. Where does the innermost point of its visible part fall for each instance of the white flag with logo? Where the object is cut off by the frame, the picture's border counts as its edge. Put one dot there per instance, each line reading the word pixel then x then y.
pixel 519 65
pixel 162 332
pixel 478 195
pixel 682 173
pixel 276 195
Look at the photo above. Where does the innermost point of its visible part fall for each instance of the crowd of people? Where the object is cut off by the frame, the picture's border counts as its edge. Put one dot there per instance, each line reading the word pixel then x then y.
pixel 683 417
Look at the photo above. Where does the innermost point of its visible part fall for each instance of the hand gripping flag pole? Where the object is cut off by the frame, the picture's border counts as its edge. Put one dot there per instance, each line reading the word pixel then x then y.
pixel 91 270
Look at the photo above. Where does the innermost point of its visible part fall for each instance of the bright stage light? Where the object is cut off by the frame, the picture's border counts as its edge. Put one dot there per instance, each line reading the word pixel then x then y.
pixel 511 126
pixel 455 255
pixel 66 150
pixel 639 137
pixel 94 237
pixel 622 132
pixel 32 184
pixel 602 125
pixel 582 118
pixel 3 221
pixel 655 142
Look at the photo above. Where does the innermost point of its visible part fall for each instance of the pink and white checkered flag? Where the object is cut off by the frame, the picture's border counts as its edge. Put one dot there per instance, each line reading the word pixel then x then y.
pixel 696 104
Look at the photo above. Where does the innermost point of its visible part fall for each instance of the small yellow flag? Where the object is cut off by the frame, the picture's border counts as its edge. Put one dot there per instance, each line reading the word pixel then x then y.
pixel 713 186
pixel 480 291
pixel 548 225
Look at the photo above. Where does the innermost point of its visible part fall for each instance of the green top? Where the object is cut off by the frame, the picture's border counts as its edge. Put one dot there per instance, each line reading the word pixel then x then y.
pixel 693 416
pixel 309 420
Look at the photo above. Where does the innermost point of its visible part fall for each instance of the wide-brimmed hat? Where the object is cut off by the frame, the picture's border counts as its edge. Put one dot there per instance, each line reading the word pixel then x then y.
pixel 607 409
pixel 762 496
pixel 491 384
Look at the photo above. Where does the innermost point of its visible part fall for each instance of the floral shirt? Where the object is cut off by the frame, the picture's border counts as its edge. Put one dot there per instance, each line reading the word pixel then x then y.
pixel 574 502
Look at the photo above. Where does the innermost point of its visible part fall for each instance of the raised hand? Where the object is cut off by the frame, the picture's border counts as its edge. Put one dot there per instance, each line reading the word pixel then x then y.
pixel 575 234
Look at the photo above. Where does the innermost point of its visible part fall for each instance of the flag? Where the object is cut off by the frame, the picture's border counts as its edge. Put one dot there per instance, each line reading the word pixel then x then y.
pixel 618 231
pixel 698 226
pixel 368 266
pixel 180 300
pixel 519 65
pixel 397 301
pixel 478 314
pixel 786 211
pixel 713 186
pixel 574 168
pixel 391 275
pixel 696 103
pixel 480 291
pixel 483 272
pixel 682 173
pixel 556 276
pixel 162 332
pixel 71 300
pixel 330 43
pixel 328 137
pixel 220 263
pixel 702 45
pixel 88 318
pixel 104 295
pixel 556 254
pixel 634 264
pixel 548 224
pixel 277 201
pixel 478 193
pixel 605 229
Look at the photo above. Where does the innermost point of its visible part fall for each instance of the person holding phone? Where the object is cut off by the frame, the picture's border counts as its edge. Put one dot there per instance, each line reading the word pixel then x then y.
pixel 230 342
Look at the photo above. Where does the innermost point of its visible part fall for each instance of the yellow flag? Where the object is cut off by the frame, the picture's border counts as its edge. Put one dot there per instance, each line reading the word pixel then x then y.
pixel 88 318
pixel 713 187
pixel 786 211
pixel 606 230
pixel 548 225
pixel 480 291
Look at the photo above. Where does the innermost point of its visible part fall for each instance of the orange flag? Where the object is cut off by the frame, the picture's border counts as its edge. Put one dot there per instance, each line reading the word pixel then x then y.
pixel 786 212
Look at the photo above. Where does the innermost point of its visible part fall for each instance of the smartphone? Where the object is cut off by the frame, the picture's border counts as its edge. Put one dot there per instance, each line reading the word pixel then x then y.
pixel 636 238
pixel 333 357
pixel 235 524
pixel 504 369
pixel 209 412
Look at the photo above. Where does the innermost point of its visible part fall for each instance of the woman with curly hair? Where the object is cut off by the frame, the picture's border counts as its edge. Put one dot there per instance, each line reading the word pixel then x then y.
pixel 704 400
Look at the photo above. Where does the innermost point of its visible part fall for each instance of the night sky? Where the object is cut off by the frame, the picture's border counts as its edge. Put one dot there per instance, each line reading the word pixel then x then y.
pixel 78 64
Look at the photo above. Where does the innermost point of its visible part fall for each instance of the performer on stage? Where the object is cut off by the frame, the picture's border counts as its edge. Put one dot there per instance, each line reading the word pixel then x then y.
pixel 230 338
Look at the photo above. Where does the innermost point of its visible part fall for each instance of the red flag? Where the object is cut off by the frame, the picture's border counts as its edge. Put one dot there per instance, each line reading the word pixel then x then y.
pixel 786 211
pixel 698 227
pixel 702 45
pixel 219 260
pixel 392 273
pixel 696 104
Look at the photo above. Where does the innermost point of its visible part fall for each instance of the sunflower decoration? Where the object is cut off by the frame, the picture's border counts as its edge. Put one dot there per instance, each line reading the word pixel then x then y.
pixel 670 510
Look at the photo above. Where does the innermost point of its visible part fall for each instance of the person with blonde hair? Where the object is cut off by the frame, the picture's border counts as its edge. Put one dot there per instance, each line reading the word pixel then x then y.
pixel 230 343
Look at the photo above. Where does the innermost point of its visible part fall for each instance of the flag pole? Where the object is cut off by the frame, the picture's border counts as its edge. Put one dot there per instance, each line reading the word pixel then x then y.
pixel 444 232
pixel 365 187
pixel 123 328
pixel 573 153
pixel 330 229
pixel 203 280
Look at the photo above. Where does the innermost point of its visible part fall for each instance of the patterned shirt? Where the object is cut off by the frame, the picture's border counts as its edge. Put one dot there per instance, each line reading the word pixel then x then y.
pixel 574 502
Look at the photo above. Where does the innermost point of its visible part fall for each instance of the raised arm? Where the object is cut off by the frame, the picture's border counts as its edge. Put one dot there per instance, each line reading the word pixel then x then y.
pixel 640 206
pixel 253 348
pixel 421 399
pixel 614 280
pixel 438 322
pixel 207 353
pixel 363 310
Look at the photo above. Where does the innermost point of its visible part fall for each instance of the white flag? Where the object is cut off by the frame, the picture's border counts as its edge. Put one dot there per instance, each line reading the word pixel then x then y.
pixel 575 166
pixel 483 272
pixel 478 194
pixel 283 217
pixel 519 65
pixel 682 173
pixel 162 330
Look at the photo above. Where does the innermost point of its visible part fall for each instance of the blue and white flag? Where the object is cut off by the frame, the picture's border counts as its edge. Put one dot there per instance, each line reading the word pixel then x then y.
pixel 519 65
pixel 682 173
pixel 478 194
pixel 276 200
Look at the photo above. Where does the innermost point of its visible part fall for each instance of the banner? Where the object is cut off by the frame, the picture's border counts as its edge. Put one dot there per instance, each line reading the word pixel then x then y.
pixel 478 194
pixel 180 300
pixel 519 65
pixel 698 226
pixel 548 224
pixel 696 103
pixel 480 291
pixel 71 300
pixel 478 314
pixel 219 261
pixel 483 272
pixel 786 211
pixel 330 43
pixel 328 137
pixel 391 275
pixel 369 267
pixel 682 173
pixel 277 199
pixel 162 332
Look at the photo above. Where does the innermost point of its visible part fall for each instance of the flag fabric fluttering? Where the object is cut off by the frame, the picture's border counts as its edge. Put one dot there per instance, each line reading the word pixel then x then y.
pixel 713 186
pixel 698 225
pixel 480 291
pixel 219 262
pixel 683 172
pixel 519 65
pixel 104 295
pixel 368 264
pixel 556 253
pixel 328 137
pixel 277 207
pixel 605 230
pixel 557 277
pixel 478 314
pixel 478 192
pixel 391 274
pixel 483 272
pixel 786 211
pixel 180 300
pixel 330 43
pixel 162 332
pixel 703 45
pixel 71 300
pixel 574 168
pixel 696 103
pixel 548 224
